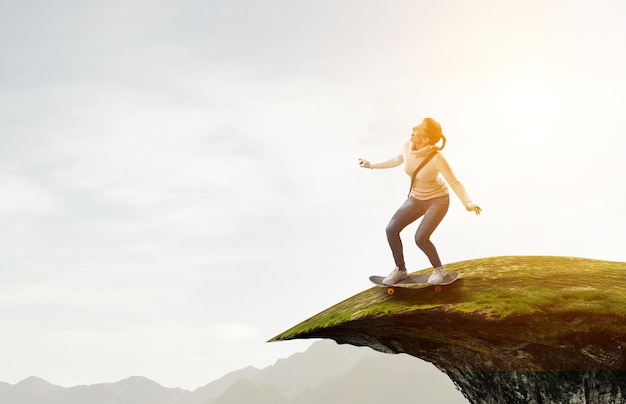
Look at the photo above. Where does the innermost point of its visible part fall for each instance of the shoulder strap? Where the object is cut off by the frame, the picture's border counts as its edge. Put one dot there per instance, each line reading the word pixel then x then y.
pixel 423 163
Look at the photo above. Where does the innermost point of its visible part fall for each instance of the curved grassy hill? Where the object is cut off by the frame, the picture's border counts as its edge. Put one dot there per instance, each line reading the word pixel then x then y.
pixel 504 313
pixel 519 329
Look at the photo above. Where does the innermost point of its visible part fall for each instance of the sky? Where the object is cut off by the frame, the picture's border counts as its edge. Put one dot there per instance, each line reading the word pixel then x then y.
pixel 180 179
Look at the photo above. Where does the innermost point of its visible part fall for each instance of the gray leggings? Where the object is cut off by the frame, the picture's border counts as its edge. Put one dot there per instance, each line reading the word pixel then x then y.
pixel 433 211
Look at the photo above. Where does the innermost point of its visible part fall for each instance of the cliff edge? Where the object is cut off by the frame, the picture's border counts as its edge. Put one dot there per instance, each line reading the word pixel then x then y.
pixel 509 324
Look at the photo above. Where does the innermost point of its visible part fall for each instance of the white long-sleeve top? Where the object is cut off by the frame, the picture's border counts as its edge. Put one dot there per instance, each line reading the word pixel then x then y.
pixel 428 183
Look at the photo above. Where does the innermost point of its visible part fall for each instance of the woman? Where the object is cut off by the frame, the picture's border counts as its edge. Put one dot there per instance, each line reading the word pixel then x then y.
pixel 428 196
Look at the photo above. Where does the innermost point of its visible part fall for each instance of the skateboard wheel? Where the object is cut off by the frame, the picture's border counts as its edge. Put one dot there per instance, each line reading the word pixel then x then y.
pixel 391 291
pixel 437 289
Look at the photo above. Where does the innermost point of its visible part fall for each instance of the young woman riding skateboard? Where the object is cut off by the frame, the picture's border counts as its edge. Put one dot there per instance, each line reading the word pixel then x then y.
pixel 428 196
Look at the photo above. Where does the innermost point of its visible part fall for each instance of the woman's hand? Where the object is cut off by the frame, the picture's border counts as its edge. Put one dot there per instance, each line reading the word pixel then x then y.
pixel 364 163
pixel 474 208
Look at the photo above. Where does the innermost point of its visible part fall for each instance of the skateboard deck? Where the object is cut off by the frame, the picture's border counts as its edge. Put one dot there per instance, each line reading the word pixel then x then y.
pixel 413 281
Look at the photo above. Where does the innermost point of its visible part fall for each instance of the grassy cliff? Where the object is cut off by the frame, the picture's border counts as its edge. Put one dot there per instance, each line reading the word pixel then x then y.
pixel 528 313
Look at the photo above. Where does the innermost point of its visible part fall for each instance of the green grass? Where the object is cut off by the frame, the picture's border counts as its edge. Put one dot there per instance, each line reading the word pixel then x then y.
pixel 496 287
pixel 524 285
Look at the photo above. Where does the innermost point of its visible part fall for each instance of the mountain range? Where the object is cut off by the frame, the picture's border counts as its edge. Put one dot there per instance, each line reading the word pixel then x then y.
pixel 325 373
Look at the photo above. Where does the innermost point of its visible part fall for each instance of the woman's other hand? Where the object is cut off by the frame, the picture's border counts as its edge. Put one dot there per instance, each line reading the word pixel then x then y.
pixel 474 208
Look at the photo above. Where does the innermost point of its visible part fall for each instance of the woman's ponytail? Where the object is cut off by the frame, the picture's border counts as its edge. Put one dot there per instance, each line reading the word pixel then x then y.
pixel 443 143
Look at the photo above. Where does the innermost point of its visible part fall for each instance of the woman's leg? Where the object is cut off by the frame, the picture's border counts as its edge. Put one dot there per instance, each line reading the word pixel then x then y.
pixel 409 212
pixel 436 209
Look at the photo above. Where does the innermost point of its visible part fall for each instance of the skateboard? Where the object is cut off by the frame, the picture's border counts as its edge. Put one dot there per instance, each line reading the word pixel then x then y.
pixel 414 280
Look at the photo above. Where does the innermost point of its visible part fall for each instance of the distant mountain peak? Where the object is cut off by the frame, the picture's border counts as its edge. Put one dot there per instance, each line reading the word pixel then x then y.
pixel 36 385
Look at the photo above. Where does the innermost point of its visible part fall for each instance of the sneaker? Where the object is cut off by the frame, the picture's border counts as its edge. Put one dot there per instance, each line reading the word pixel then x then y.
pixel 437 276
pixel 395 276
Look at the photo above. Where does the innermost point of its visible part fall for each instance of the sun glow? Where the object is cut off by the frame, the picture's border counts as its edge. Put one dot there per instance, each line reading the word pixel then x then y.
pixel 519 95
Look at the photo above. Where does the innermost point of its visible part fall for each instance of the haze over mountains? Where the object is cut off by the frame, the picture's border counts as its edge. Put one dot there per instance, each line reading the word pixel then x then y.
pixel 325 373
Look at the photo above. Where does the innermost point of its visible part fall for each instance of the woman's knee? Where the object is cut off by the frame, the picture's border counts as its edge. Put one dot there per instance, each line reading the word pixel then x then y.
pixel 422 241
pixel 392 229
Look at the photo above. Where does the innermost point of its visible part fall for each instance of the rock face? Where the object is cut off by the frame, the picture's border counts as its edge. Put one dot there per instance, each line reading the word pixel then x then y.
pixel 541 387
pixel 512 329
